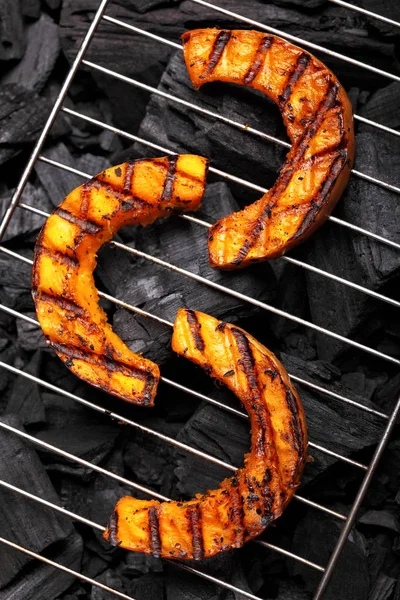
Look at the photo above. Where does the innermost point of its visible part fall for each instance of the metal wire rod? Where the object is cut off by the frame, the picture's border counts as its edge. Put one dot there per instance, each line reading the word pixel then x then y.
pixel 142 428
pixel 298 40
pixel 52 116
pixel 256 302
pixel 148 491
pixel 180 565
pixel 357 503
pixel 218 116
pixel 293 261
pixel 167 42
pixel 60 567
pixel 132 308
pixel 365 12
pixel 130 136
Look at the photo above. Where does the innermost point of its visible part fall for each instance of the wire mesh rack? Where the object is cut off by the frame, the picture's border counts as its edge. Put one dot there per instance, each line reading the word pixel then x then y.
pixel 388 420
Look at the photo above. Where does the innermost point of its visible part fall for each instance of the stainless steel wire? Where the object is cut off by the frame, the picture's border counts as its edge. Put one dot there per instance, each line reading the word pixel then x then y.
pixel 177 46
pixel 219 117
pixel 149 431
pixel 298 40
pixel 222 174
pixel 132 484
pixel 203 223
pixel 61 567
pixel 16 199
pixel 365 12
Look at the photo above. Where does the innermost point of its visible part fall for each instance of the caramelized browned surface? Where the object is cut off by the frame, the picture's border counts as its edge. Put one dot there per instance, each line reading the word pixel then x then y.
pixel 65 257
pixel 243 505
pixel 318 117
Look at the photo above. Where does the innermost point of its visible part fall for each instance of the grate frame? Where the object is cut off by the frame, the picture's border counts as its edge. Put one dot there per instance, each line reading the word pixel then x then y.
pixel 390 420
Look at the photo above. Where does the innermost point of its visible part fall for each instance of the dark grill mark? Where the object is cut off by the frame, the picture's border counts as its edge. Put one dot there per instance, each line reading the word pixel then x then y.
pixel 169 179
pixel 265 43
pixel 86 225
pixel 297 431
pixel 236 515
pixel 147 393
pixel 195 330
pixel 215 56
pixel 113 529
pixel 130 167
pixel 155 541
pixel 60 257
pixel 86 190
pixel 63 303
pixel 327 185
pixel 301 65
pixel 288 170
pixel 194 517
pixel 100 360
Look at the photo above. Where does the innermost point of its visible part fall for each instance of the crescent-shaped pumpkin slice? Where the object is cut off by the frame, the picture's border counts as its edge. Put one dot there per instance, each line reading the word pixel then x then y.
pixel 318 117
pixel 243 506
pixel 63 288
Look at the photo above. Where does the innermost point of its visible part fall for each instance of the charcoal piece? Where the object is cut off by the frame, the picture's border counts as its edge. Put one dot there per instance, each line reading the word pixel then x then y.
pixel 60 411
pixel 388 394
pixel 22 116
pixel 314 538
pixel 30 8
pixel 30 336
pixel 25 400
pixel 12 39
pixel 160 291
pixel 23 521
pixel 383 588
pixel 149 460
pixel 383 106
pixel 43 581
pixel 93 565
pixel 138 563
pixel 113 265
pixel 381 518
pixel 14 273
pixel 112 580
pixel 148 587
pixel 92 164
pixel 24 221
pixel 58 183
pixel 52 4
pixel 42 50
pixel 90 443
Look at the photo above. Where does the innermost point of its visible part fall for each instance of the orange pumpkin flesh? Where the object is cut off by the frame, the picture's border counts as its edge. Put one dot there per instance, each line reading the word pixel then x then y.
pixel 63 287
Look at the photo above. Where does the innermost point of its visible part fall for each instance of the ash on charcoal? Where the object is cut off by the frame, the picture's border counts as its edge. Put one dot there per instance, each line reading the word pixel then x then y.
pixel 41 580
pixel 43 47
pixel 22 116
pixel 25 222
pixel 90 443
pixel 12 38
pixel 161 292
pixel 23 521
pixel 25 397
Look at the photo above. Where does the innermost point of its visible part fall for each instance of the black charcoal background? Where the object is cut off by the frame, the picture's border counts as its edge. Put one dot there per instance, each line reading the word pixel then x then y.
pixel 38 41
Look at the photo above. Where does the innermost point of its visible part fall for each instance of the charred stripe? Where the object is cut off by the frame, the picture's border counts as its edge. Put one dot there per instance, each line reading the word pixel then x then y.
pixel 169 179
pixel 195 330
pixel 85 194
pixel 113 529
pixel 127 187
pixel 155 541
pixel 86 225
pixel 326 186
pixel 59 256
pixel 194 517
pixel 67 305
pixel 221 41
pixel 100 360
pixel 264 45
pixel 301 65
pixel 236 512
pixel 297 430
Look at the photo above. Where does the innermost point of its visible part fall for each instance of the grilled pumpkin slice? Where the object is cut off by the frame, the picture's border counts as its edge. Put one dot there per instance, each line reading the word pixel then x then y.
pixel 246 503
pixel 318 118
pixel 63 287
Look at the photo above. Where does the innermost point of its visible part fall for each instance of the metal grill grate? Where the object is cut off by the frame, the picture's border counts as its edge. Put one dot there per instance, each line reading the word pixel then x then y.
pixel 15 203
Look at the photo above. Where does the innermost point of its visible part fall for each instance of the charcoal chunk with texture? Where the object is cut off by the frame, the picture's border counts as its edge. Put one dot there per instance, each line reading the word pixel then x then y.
pixel 24 521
